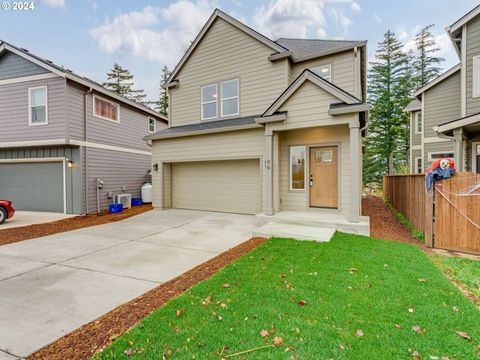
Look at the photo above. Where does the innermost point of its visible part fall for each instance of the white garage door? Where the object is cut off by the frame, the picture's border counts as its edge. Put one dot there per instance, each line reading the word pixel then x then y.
pixel 226 186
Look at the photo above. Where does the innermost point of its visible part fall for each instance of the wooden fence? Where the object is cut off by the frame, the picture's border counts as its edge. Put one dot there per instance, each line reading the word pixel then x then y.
pixel 449 215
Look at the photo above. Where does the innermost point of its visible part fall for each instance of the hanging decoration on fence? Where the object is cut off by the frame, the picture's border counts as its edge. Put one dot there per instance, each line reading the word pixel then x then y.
pixel 439 170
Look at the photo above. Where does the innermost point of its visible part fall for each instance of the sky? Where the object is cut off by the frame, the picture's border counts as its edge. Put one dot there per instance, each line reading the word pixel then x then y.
pixel 88 36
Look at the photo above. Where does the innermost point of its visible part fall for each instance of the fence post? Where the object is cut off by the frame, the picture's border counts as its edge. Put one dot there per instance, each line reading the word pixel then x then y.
pixel 429 216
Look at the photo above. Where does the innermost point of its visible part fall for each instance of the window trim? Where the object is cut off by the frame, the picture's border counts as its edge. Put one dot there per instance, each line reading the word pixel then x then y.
pixel 229 98
pixel 154 124
pixel 475 75
pixel 30 105
pixel 440 152
pixel 95 96
pixel 209 102
pixel 416 165
pixel 416 123
pixel 290 182
pixel 321 66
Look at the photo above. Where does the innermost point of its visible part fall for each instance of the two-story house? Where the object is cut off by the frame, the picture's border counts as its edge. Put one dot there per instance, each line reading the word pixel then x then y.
pixel 60 132
pixel 445 115
pixel 263 126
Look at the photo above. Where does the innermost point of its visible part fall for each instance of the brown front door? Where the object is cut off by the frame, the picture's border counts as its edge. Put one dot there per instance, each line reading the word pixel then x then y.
pixel 324 177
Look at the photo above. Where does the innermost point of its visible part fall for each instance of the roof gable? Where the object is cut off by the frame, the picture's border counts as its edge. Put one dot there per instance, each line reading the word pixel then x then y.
pixel 464 19
pixel 13 66
pixel 308 75
pixel 220 14
pixel 438 80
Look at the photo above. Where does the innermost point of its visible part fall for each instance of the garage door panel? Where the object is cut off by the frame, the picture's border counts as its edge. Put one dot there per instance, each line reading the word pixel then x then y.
pixel 227 186
pixel 33 186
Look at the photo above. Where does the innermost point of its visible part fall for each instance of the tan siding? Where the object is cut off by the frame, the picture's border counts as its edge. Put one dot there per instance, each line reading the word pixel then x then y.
pixel 473 48
pixel 343 69
pixel 416 138
pixel 227 186
pixel 14 111
pixel 442 104
pixel 220 146
pixel 228 53
pixel 328 135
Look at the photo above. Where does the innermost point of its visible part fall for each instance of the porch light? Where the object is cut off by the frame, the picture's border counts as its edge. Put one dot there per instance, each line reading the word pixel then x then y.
pixel 69 163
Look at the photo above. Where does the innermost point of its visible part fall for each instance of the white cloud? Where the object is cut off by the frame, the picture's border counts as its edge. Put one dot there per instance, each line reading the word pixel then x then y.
pixel 301 18
pixel 444 44
pixel 408 38
pixel 154 33
pixel 54 3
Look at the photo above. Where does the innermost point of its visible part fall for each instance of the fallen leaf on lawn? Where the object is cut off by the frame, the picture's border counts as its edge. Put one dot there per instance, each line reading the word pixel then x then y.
pixel 463 334
pixel 352 270
pixel 416 355
pixel 282 275
pixel 264 333
pixel 128 352
pixel 226 286
pixel 179 312
pixel 341 347
pixel 277 341
pixel 434 357
pixel 385 265
pixel 444 358
pixel 418 329
pixel 411 310
pixel 223 305
pixel 399 327
pixel 421 280
pixel 302 302
pixel 359 333
pixel 454 308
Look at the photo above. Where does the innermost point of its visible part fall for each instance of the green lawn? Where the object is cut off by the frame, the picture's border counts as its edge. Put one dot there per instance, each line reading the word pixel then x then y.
pixel 465 271
pixel 353 283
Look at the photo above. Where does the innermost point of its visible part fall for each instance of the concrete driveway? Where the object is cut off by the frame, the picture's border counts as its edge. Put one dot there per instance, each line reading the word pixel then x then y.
pixel 25 218
pixel 52 285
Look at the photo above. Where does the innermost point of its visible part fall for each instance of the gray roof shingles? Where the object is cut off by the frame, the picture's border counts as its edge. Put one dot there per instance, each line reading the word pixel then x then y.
pixel 311 47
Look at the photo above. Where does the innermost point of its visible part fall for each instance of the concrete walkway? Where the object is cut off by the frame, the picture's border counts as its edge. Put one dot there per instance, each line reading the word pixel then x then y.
pixel 52 285
pixel 25 218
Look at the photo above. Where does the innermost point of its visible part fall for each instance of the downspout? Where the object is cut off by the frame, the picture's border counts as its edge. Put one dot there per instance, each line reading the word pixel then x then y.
pixel 86 147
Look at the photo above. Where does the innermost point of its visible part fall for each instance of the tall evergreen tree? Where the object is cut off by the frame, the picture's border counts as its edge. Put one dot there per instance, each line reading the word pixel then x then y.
pixel 390 88
pixel 120 80
pixel 162 104
pixel 426 64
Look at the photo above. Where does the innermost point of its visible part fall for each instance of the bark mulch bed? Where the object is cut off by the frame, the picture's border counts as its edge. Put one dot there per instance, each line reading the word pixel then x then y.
pixel 384 224
pixel 11 235
pixel 85 341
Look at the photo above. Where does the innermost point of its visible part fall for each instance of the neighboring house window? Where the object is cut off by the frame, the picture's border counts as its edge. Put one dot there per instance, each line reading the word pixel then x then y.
pixel 209 101
pixel 106 109
pixel 230 98
pixel 418 122
pixel 440 155
pixel 325 71
pixel 297 167
pixel 418 165
pixel 476 76
pixel 37 104
pixel 151 125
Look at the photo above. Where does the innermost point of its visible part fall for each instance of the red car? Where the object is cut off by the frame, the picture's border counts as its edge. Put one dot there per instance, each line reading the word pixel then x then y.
pixel 6 210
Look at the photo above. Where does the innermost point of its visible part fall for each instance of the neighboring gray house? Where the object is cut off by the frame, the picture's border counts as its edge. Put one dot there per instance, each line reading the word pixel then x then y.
pixel 60 132
pixel 264 127
pixel 445 115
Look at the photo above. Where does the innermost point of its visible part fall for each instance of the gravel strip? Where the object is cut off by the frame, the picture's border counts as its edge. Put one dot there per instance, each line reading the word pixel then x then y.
pixel 85 341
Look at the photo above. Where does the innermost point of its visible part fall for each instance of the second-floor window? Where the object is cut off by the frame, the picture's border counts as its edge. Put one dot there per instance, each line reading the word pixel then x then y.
pixel 324 71
pixel 105 109
pixel 37 104
pixel 151 125
pixel 209 101
pixel 418 122
pixel 229 91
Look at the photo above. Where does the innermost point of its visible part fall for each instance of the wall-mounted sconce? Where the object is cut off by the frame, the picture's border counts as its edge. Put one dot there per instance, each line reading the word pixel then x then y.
pixel 155 167
pixel 69 163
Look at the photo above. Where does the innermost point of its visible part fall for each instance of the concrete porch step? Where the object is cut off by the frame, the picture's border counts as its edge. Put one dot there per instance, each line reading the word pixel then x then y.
pixel 317 219
pixel 298 232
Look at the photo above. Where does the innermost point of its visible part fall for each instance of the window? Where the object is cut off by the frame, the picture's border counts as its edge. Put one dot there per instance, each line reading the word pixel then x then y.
pixel 297 167
pixel 418 122
pixel 106 109
pixel 418 165
pixel 209 101
pixel 440 155
pixel 229 92
pixel 151 125
pixel 325 71
pixel 476 76
pixel 37 105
